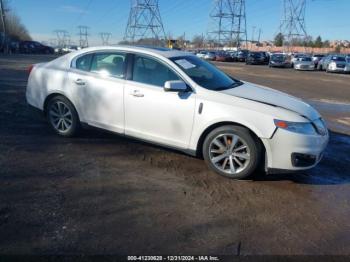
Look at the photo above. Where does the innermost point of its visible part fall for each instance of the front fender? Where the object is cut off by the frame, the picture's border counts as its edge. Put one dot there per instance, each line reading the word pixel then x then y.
pixel 262 125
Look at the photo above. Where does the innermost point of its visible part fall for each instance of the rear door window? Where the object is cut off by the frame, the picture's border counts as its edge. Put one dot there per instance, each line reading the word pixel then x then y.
pixel 84 62
pixel 110 64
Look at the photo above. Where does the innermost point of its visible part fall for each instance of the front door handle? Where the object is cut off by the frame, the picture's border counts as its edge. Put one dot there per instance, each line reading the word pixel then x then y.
pixel 80 82
pixel 137 93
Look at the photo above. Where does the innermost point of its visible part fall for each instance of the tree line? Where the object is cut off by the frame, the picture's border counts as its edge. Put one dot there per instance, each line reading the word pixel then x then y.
pixel 309 42
pixel 11 22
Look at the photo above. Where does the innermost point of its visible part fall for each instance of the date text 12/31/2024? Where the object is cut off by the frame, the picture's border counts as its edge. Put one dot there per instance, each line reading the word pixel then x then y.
pixel 173 258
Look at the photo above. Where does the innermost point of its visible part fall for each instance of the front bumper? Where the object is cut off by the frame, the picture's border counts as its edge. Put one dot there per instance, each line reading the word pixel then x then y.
pixel 304 68
pixel 285 65
pixel 285 147
pixel 345 69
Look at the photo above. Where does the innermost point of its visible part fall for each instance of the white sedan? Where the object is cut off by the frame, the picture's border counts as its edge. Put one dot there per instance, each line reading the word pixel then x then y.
pixel 304 64
pixel 175 99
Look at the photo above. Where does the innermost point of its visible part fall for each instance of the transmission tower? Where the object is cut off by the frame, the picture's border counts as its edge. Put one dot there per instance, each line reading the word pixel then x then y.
pixel 145 22
pixel 293 22
pixel 62 37
pixel 228 24
pixel 83 36
pixel 105 38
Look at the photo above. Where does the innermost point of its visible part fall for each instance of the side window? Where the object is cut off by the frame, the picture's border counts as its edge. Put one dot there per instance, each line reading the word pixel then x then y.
pixel 151 72
pixel 83 63
pixel 111 64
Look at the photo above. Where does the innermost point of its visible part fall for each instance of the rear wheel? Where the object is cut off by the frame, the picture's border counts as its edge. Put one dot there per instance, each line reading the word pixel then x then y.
pixel 62 116
pixel 231 151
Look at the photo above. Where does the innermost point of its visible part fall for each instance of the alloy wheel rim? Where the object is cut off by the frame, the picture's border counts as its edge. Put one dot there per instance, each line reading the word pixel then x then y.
pixel 229 153
pixel 61 117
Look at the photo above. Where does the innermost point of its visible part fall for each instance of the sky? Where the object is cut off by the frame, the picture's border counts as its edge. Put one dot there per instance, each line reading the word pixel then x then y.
pixel 328 18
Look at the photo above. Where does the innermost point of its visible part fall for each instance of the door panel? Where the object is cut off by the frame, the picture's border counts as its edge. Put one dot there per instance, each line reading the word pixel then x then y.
pixel 100 100
pixel 98 82
pixel 159 116
pixel 150 112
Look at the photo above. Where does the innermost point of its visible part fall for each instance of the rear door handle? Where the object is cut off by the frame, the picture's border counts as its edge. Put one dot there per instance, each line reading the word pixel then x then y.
pixel 137 93
pixel 80 82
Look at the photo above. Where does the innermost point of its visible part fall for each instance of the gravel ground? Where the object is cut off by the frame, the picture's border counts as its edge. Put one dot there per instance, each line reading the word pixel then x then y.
pixel 104 194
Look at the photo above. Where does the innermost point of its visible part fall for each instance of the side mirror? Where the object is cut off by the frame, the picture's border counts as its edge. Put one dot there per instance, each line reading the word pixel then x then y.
pixel 175 86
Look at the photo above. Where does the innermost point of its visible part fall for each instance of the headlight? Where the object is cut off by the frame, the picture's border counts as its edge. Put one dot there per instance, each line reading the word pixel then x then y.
pixel 296 127
pixel 333 64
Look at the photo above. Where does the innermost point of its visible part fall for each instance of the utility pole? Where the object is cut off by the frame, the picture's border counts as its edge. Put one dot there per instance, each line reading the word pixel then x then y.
pixel 260 31
pixel 105 38
pixel 253 37
pixel 3 21
pixel 67 39
pixel 145 22
pixel 228 23
pixel 253 33
pixel 292 25
pixel 83 36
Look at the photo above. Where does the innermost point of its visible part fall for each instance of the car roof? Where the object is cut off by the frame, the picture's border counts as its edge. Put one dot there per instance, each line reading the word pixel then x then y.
pixel 65 61
pixel 165 52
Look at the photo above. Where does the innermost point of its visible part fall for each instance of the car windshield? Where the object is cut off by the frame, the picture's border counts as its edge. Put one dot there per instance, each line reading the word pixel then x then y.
pixel 338 58
pixel 306 59
pixel 256 54
pixel 205 74
pixel 278 58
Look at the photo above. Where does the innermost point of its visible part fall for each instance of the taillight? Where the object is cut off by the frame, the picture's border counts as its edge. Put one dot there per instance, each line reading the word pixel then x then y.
pixel 30 68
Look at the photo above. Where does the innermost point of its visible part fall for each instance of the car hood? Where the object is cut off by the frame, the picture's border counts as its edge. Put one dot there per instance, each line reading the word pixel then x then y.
pixel 273 97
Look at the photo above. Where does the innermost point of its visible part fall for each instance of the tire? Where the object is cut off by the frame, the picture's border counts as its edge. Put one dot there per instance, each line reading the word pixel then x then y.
pixel 244 157
pixel 62 116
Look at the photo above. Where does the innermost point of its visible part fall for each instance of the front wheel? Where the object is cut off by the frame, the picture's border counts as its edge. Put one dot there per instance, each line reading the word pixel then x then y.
pixel 231 151
pixel 62 116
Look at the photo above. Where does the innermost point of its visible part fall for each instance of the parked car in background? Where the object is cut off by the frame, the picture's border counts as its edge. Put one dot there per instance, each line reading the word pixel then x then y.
pixel 223 57
pixel 33 47
pixel 14 47
pixel 210 56
pixel 141 92
pixel 201 54
pixel 257 58
pixel 304 63
pixel 334 63
pixel 70 48
pixel 280 60
pixel 242 55
pixel 295 58
pixel 233 55
pixel 316 58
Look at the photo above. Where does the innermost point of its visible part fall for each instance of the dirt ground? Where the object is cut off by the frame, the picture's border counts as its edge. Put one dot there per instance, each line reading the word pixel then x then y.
pixel 104 194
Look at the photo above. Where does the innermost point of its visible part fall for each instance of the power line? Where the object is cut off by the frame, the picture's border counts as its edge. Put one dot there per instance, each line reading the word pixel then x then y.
pixel 228 23
pixel 144 22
